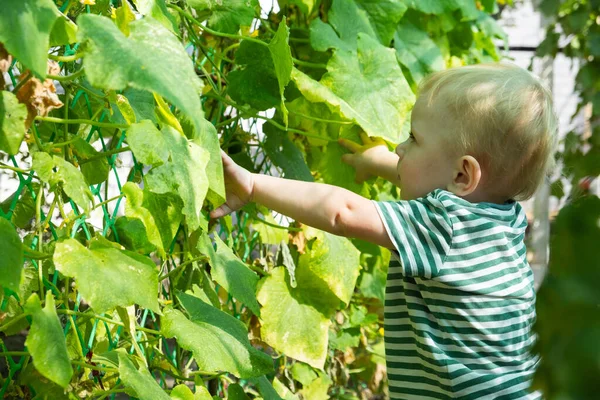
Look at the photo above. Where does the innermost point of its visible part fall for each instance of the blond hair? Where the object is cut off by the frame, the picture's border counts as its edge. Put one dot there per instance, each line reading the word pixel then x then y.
pixel 505 119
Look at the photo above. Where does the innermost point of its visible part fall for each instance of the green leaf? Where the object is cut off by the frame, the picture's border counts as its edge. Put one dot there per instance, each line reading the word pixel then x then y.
pixel 367 88
pixel 236 392
pixel 25 27
pixel 417 51
pixel 230 272
pixel 306 338
pixel 148 144
pixel 285 155
pixel 266 388
pixel 283 390
pixel 107 276
pixel 329 266
pixel 95 171
pixel 334 172
pixel 348 18
pixel 227 16
pixel 372 83
pixel 11 249
pixel 182 392
pixel 303 373
pixel 152 59
pixel 160 214
pixel 218 340
pixel 270 234
pixel 132 234
pixel 317 389
pixel 345 339
pixel 140 380
pixel 46 341
pixel 183 174
pixel 12 122
pixel 323 37
pixel 158 10
pixel 282 61
pixel 63 32
pixel 255 83
pixel 66 175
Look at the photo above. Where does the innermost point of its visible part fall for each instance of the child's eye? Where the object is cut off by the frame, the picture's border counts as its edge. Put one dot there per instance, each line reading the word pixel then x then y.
pixel 411 136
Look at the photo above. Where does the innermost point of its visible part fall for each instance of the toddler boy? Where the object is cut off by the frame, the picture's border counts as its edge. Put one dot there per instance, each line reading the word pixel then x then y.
pixel 459 303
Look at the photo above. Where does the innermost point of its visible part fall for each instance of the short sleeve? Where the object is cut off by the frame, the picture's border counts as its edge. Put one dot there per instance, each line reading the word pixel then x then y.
pixel 421 232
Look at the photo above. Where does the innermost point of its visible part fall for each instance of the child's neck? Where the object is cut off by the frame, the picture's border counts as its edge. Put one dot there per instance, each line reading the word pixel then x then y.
pixel 479 196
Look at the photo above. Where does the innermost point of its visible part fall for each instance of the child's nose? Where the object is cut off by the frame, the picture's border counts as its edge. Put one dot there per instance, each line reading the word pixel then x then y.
pixel 400 151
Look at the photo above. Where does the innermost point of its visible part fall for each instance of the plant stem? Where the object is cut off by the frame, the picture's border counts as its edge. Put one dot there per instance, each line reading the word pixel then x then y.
pixel 308 64
pixel 66 78
pixel 94 367
pixel 181 266
pixel 270 121
pixel 13 353
pixel 215 33
pixel 289 228
pixel 82 121
pixel 111 321
pixel 65 58
pixel 104 154
pixel 23 171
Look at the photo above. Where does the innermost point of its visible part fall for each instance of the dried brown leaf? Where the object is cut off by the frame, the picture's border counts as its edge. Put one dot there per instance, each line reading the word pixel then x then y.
pixel 39 97
pixel 5 62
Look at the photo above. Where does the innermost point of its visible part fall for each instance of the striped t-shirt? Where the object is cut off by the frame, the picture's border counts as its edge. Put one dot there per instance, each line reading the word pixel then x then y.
pixel 459 301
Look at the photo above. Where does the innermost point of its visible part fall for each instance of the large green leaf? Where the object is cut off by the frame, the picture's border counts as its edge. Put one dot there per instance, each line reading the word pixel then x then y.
pixel 160 214
pixel 66 175
pixel 107 276
pixel 348 18
pixel 468 8
pixel 285 155
pixel 46 341
pixel 140 380
pixel 255 83
pixel 265 72
pixel 341 174
pixel 148 143
pixel 329 266
pixel 12 122
pixel 157 9
pixel 367 87
pixel 11 249
pixel 95 171
pixel 373 84
pixel 218 340
pixel 153 59
pixel 317 119
pixel 305 336
pixel 282 61
pixel 183 170
pixel 230 272
pixel 25 27
pixel 417 51
pixel 227 16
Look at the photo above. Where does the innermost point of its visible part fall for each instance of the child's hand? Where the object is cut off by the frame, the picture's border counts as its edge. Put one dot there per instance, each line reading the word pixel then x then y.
pixel 239 185
pixel 366 158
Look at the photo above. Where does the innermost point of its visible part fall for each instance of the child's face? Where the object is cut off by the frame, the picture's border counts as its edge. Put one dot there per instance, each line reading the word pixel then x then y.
pixel 425 162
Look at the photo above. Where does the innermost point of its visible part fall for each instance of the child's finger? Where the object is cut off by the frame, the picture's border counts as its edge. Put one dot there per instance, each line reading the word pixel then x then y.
pixel 221 211
pixel 348 159
pixel 365 138
pixel 353 147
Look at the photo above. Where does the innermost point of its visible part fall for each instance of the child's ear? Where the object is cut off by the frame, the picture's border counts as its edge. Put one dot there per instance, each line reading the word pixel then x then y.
pixel 466 176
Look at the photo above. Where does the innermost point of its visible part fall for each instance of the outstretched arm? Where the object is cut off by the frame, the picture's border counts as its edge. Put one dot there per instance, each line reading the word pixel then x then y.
pixel 372 158
pixel 326 207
